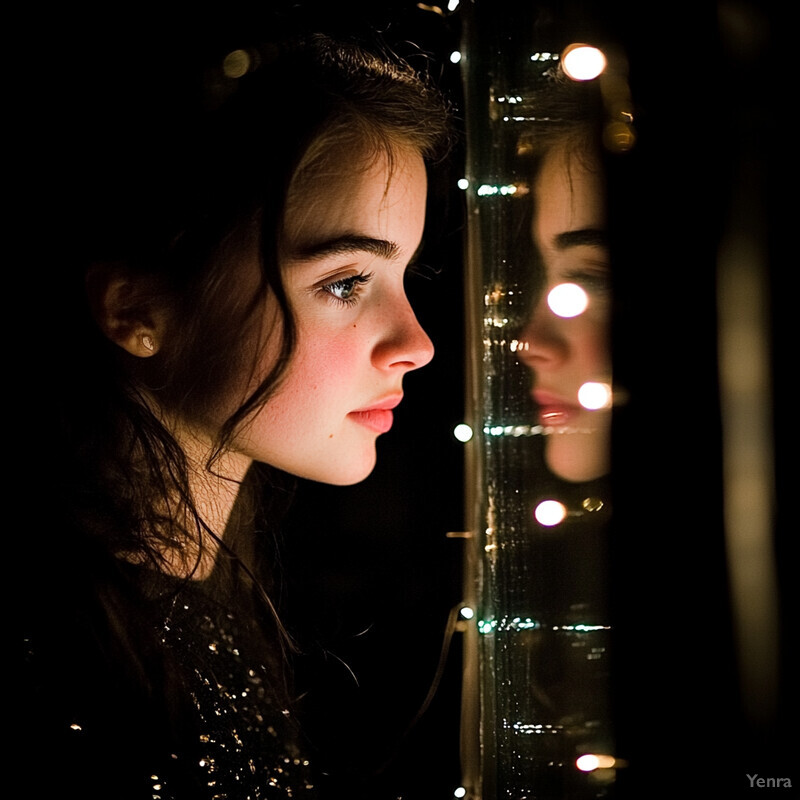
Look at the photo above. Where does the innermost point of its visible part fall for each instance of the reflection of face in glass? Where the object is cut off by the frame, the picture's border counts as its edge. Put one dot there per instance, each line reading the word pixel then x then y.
pixel 569 354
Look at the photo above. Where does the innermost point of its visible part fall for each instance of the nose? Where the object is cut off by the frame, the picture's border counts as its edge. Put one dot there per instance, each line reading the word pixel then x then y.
pixel 543 345
pixel 403 344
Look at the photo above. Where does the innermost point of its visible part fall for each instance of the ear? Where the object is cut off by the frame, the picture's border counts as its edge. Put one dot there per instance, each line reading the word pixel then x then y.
pixel 127 308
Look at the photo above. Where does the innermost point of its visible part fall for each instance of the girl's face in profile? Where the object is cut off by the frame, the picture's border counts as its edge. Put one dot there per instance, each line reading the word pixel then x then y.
pixel 349 236
pixel 568 352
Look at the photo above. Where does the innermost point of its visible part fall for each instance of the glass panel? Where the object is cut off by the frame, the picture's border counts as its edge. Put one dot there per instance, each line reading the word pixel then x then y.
pixel 539 304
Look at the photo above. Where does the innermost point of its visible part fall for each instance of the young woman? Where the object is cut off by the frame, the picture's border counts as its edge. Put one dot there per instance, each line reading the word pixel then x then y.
pixel 235 296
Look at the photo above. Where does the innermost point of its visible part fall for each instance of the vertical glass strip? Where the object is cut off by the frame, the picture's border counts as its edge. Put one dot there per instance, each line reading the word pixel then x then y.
pixel 540 384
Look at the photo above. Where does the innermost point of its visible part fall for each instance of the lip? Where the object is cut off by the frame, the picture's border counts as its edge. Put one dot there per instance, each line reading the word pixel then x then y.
pixel 377 416
pixel 554 411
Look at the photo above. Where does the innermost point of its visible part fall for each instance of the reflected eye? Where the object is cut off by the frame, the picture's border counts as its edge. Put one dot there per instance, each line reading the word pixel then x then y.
pixel 595 282
pixel 346 290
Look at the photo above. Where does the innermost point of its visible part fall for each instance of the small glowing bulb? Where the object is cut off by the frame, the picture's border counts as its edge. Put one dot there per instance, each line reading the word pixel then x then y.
pixel 455 57
pixel 452 5
pixel 594 396
pixel 463 183
pixel 582 62
pixel 462 432
pixel 460 792
pixel 567 300
pixel 467 612
pixel 587 763
pixel 550 512
pixel 590 762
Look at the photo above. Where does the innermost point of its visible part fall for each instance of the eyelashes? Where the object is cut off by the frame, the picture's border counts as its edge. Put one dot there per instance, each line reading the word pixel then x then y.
pixel 596 282
pixel 345 291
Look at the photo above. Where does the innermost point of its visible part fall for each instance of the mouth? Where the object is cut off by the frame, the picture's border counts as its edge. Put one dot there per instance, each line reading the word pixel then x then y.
pixel 379 416
pixel 555 411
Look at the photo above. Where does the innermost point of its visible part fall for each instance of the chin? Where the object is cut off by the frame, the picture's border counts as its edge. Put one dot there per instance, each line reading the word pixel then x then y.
pixel 340 473
pixel 577 457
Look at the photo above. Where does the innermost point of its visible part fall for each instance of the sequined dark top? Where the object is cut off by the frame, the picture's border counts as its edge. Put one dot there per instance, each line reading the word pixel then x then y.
pixel 223 735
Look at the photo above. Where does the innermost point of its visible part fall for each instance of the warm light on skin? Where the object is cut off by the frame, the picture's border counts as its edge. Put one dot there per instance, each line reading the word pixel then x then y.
pixel 582 62
pixel 348 241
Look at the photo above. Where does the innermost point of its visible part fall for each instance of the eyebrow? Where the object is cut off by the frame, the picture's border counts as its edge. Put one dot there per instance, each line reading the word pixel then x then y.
pixel 592 237
pixel 347 243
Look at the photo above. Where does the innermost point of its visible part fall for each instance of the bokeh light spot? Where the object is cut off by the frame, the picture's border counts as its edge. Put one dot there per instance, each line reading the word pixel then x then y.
pixel 590 762
pixel 236 64
pixel 594 396
pixel 567 300
pixel 582 62
pixel 550 513
pixel 587 763
pixel 462 432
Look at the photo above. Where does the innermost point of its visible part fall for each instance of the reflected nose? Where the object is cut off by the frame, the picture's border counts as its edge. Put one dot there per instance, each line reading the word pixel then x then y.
pixel 403 343
pixel 543 345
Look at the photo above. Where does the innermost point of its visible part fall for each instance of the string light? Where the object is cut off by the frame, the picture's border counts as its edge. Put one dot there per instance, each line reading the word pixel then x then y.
pixel 489 190
pixel 462 432
pixel 550 513
pixel 594 396
pixel 582 62
pixel 590 762
pixel 567 300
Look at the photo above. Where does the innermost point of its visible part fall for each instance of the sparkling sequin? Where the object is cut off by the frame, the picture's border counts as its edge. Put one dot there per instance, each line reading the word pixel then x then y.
pixel 243 756
pixel 241 743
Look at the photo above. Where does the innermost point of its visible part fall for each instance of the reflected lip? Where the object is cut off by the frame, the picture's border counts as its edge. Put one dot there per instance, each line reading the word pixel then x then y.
pixel 377 416
pixel 545 398
pixel 553 409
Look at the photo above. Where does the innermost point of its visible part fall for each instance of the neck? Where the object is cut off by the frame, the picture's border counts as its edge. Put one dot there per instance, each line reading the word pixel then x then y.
pixel 214 488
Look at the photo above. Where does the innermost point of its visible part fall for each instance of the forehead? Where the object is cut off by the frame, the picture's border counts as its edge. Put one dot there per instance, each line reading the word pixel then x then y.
pixel 569 194
pixel 379 194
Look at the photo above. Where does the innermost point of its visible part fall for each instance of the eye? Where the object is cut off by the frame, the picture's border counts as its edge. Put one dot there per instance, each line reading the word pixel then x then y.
pixel 346 290
pixel 596 282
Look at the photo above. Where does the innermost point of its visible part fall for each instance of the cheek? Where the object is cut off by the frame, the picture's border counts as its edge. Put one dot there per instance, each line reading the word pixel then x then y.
pixel 323 375
pixel 325 360
pixel 591 344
